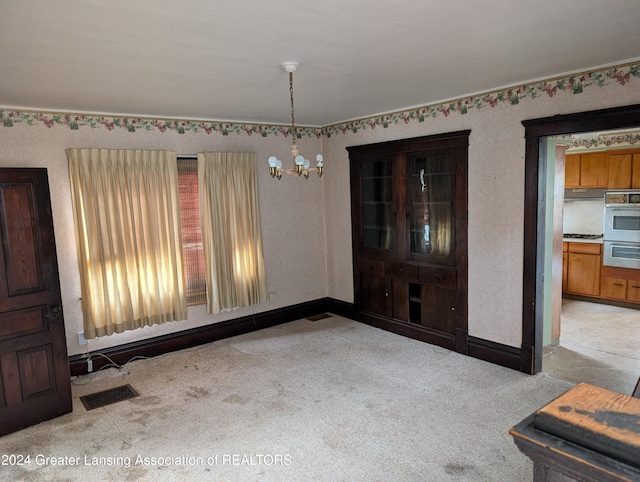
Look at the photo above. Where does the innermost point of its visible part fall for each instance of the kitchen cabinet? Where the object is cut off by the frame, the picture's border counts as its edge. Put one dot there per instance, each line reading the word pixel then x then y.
pixel 409 231
pixel 624 169
pixel 584 275
pixel 612 169
pixel 565 267
pixel 633 291
pixel 615 288
pixel 622 284
pixel 590 170
pixel 583 265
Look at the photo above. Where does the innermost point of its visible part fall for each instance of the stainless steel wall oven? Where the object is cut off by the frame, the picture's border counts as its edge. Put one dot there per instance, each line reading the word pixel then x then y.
pixel 622 229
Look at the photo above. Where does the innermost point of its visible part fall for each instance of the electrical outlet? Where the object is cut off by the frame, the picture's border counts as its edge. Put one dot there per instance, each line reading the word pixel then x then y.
pixel 272 296
pixel 81 339
pixel 89 365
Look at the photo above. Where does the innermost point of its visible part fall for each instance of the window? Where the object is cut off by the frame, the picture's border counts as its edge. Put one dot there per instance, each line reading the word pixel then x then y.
pixel 127 219
pixel 141 219
pixel 195 279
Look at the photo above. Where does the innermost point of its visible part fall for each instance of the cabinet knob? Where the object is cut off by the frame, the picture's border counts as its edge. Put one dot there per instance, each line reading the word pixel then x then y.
pixel 387 293
pixel 401 270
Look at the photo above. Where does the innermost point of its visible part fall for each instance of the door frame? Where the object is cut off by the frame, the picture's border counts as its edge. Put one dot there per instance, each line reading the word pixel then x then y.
pixel 535 161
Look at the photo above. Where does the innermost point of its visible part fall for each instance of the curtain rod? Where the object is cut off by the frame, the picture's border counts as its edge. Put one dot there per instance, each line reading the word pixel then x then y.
pixel 187 156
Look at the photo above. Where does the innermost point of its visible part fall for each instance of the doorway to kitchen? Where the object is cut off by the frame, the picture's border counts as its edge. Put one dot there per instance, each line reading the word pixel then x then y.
pixel 584 340
pixel 536 300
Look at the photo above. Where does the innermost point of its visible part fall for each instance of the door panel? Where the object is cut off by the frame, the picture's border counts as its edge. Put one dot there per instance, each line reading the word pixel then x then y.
pixel 375 297
pixel 34 368
pixel 400 300
pixel 438 308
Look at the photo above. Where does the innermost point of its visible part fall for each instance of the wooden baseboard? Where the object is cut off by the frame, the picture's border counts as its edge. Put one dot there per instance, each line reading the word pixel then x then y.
pixel 602 301
pixel 205 334
pixel 417 332
pixel 503 355
pixel 478 348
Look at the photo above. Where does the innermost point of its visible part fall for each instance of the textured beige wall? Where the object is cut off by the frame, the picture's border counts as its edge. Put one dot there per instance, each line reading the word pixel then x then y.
pixel 307 224
pixel 496 199
pixel 292 214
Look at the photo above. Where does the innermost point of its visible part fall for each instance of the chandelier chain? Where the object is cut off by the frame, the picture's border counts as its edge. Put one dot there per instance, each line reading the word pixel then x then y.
pixel 293 125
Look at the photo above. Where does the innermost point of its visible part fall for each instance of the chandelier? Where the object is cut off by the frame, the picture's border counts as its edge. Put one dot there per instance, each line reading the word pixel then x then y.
pixel 301 165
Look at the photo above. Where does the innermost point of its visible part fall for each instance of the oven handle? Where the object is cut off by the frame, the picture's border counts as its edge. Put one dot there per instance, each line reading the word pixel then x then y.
pixel 628 210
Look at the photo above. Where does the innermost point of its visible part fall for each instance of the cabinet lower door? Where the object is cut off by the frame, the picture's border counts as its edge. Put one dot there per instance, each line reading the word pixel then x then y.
pixel 400 299
pixel 438 309
pixel 584 274
pixel 374 294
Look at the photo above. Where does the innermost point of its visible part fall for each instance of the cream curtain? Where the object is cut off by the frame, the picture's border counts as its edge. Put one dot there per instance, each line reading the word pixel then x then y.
pixel 230 218
pixel 440 199
pixel 127 221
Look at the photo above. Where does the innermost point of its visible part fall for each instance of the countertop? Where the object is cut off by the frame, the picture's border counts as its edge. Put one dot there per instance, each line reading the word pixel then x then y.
pixel 582 240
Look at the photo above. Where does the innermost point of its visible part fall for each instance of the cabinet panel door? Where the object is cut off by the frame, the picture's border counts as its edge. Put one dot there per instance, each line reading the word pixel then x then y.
pixel 572 170
pixel 400 299
pixel 620 171
pixel 633 291
pixel 635 172
pixel 438 308
pixel 584 274
pixel 594 170
pixel 373 294
pixel 378 228
pixel 431 207
pixel 615 288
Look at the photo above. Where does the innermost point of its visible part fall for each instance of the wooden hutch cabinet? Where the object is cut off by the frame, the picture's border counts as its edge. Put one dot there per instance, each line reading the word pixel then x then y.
pixel 409 216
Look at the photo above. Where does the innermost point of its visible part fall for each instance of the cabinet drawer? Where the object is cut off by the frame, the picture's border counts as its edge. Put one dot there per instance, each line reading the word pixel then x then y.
pixel 633 291
pixel 585 248
pixel 407 272
pixel 371 266
pixel 615 288
pixel 438 276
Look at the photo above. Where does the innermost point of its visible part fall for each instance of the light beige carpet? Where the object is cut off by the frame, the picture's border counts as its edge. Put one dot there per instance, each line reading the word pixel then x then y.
pixel 330 400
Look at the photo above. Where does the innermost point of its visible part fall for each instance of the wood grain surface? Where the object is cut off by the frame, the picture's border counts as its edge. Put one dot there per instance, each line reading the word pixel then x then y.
pixel 599 419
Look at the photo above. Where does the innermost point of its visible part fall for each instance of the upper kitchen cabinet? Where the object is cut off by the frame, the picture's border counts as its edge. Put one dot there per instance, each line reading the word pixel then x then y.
pixel 612 169
pixel 624 170
pixel 590 170
pixel 409 231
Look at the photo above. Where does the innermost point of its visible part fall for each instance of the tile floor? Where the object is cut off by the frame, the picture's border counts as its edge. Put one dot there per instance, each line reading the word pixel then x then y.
pixel 599 344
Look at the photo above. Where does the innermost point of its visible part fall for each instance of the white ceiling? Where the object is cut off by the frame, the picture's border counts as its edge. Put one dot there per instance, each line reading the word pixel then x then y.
pixel 220 59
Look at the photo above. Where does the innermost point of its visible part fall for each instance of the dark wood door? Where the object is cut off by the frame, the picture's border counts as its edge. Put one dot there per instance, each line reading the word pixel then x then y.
pixel 34 367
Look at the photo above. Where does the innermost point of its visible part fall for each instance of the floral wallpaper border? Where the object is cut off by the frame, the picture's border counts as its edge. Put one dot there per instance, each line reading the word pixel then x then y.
pixel 575 84
pixel 602 141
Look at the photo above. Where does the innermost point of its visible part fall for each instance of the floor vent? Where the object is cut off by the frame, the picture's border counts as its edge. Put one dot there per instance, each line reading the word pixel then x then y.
pixel 318 317
pixel 107 397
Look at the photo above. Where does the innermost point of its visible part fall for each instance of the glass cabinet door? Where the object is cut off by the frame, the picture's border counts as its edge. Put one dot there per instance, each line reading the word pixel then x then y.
pixel 431 207
pixel 378 224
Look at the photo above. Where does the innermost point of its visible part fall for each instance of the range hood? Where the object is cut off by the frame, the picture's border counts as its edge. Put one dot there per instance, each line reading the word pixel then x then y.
pixel 584 194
